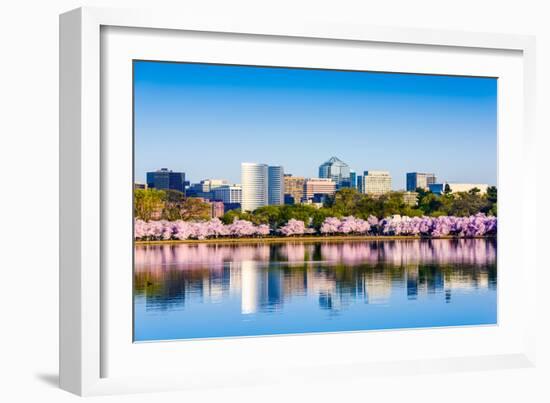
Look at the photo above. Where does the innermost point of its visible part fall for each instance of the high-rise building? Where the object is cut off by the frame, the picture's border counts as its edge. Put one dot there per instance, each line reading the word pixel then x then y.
pixel 294 187
pixel 229 194
pixel 420 180
pixel 466 187
pixel 196 190
pixel 289 199
pixel 353 179
pixel 209 185
pixel 318 186
pixel 376 182
pixel 439 188
pixel 360 183
pixel 337 170
pixel 275 185
pixel 205 188
pixel 410 198
pixel 254 182
pixel 165 179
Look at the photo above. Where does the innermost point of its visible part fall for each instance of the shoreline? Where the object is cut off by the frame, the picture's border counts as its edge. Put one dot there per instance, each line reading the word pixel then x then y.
pixel 304 239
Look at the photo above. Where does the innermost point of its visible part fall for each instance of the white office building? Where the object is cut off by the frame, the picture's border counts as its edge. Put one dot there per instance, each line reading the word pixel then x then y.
pixel 254 182
pixel 420 180
pixel 466 187
pixel 439 188
pixel 376 182
pixel 209 185
pixel 229 194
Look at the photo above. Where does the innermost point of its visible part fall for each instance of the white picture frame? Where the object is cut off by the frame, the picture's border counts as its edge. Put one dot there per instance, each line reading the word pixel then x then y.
pixel 96 356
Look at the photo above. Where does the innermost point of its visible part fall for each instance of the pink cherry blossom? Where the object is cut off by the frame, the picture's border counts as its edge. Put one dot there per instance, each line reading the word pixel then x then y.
pixel 434 227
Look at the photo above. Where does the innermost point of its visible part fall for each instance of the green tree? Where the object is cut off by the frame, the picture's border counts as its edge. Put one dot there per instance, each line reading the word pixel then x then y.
pixel 468 203
pixel 174 196
pixel 148 203
pixel 474 191
pixel 320 215
pixel 302 212
pixel 492 199
pixel 492 194
pixel 435 205
pixel 231 215
pixel 429 203
pixel 412 212
pixel 271 215
pixel 173 205
pixel 193 208
pixel 391 203
pixel 345 201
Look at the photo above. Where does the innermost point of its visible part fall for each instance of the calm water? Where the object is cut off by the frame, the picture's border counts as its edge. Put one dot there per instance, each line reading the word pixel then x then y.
pixel 205 290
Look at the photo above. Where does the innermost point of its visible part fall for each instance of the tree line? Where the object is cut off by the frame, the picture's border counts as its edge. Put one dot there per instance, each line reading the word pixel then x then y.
pixel 171 205
pixel 349 202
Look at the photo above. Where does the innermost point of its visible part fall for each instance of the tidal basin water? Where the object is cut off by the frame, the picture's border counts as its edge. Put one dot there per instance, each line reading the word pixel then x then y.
pixel 221 290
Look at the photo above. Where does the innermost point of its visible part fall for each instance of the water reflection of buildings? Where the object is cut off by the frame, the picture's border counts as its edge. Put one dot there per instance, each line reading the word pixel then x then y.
pixel 335 275
pixel 250 278
pixel 378 287
pixel 261 288
pixel 423 280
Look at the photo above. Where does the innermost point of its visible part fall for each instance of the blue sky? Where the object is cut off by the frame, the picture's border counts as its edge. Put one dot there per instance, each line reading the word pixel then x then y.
pixel 206 119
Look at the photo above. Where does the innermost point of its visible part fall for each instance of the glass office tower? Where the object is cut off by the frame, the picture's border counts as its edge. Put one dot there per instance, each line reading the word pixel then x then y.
pixel 276 185
pixel 165 179
pixel 337 170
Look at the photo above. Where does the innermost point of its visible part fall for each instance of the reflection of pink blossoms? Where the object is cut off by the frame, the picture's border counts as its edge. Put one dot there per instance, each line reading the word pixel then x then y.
pixel 214 256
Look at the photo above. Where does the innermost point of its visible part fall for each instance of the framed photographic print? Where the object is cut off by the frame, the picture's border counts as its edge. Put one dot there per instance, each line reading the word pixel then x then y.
pixel 270 198
pixel 249 248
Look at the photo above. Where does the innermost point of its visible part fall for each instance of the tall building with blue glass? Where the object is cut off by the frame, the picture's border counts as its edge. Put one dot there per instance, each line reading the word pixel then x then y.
pixel 165 179
pixel 275 185
pixel 353 179
pixel 337 170
pixel 420 180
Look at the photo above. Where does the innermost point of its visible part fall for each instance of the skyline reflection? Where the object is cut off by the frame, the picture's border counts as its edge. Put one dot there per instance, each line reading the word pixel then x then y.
pixel 266 278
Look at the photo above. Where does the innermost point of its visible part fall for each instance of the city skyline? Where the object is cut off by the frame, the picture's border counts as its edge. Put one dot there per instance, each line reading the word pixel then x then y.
pixel 227 183
pixel 205 120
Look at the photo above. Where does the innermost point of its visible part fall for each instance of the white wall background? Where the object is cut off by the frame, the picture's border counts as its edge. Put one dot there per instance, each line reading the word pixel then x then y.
pixel 29 202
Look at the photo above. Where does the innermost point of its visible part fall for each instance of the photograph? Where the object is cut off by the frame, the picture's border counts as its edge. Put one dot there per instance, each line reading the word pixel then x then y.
pixel 272 200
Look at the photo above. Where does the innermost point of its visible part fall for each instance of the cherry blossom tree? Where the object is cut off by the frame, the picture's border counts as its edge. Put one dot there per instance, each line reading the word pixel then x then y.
pixel 293 227
pixel 462 227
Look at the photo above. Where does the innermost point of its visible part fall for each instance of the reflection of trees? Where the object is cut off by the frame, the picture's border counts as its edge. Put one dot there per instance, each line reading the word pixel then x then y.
pixel 402 252
pixel 171 288
pixel 336 274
